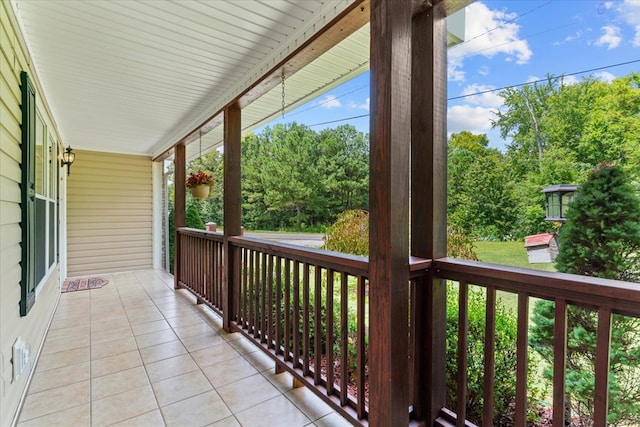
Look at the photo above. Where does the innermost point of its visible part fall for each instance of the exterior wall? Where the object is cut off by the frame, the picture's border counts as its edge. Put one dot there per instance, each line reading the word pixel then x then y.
pixel 31 328
pixel 109 213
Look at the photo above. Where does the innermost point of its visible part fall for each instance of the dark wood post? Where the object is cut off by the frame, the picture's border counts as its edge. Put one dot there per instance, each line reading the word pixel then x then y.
pixel 429 203
pixel 232 209
pixel 389 216
pixel 180 165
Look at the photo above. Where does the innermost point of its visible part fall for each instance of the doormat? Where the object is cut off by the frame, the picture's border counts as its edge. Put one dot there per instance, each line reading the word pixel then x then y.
pixel 82 283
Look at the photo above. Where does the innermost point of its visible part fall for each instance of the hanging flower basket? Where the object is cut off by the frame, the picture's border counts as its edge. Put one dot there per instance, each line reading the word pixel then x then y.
pixel 200 184
pixel 200 191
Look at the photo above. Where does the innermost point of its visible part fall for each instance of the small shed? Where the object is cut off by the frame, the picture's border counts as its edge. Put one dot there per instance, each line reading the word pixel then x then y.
pixel 541 247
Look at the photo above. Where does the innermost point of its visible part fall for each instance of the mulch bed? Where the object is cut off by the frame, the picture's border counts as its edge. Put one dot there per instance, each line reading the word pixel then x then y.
pixel 83 283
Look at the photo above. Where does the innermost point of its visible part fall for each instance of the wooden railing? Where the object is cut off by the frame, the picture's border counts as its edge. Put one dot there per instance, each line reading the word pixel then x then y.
pixel 309 309
pixel 200 265
pixel 285 294
pixel 606 297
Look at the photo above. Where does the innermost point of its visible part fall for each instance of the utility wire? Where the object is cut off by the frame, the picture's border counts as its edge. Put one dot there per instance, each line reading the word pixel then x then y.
pixel 542 80
pixel 502 23
pixel 319 104
pixel 496 89
pixel 339 120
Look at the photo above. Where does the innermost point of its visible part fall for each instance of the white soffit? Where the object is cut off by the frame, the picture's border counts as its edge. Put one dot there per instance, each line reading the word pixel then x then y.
pixel 136 76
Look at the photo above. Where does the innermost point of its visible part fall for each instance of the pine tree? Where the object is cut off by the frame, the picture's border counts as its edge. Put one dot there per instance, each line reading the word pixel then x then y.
pixel 601 238
pixel 192 216
pixel 602 235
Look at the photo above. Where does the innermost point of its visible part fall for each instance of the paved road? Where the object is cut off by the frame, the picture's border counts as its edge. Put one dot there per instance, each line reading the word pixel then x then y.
pixel 313 240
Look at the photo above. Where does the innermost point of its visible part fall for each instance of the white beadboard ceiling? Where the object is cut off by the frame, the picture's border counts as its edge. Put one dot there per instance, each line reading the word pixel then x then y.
pixel 137 76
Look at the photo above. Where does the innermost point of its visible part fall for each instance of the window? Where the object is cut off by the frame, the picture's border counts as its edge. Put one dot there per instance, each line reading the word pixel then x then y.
pixel 39 198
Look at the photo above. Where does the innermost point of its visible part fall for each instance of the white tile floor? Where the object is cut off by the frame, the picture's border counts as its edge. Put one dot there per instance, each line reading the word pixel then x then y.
pixel 136 353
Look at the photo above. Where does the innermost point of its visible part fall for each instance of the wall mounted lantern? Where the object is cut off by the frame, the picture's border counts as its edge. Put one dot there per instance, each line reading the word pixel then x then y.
pixel 558 198
pixel 68 157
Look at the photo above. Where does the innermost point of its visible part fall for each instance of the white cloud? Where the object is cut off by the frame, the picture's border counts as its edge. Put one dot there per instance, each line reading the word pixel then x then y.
pixel 488 34
pixel 466 117
pixel 611 37
pixel 572 37
pixel 604 76
pixel 483 71
pixel 486 99
pixel 570 80
pixel 329 101
pixel 454 73
pixel 362 106
pixel 629 11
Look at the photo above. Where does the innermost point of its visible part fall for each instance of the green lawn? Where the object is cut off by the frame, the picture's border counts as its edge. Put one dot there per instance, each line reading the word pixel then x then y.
pixel 507 253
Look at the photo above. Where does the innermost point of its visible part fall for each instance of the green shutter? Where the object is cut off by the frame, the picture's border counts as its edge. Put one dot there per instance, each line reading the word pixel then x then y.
pixel 28 283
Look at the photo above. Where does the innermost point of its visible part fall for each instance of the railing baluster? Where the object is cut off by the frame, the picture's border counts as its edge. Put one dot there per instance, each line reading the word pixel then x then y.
pixel 242 291
pixel 489 356
pixel 278 325
pixel 269 304
pixel 216 279
pixel 521 371
pixel 317 323
pixel 263 300
pixel 296 314
pixel 258 291
pixel 361 346
pixel 287 309
pixel 210 283
pixel 559 361
pixel 252 290
pixel 305 319
pixel 463 326
pixel 603 345
pixel 329 322
pixel 344 336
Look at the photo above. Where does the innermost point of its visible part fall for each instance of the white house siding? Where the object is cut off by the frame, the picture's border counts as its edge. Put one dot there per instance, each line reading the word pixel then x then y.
pixel 31 328
pixel 109 213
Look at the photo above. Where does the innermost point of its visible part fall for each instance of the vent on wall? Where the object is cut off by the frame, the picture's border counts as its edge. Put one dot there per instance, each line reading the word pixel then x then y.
pixel 20 358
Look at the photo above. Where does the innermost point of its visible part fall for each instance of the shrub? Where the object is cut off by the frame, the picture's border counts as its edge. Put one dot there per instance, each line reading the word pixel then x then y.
pixel 350 233
pixel 505 359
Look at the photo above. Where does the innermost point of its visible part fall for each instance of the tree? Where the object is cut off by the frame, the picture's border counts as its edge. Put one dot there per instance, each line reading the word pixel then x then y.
pixel 344 168
pixel 466 140
pixel 601 238
pixel 558 132
pixel 192 215
pixel 480 196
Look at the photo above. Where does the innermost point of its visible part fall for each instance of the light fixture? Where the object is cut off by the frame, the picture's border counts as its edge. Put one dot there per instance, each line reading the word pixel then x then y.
pixel 558 199
pixel 68 157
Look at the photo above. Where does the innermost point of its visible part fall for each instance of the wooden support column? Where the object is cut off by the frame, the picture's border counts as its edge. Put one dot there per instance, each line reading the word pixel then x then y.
pixel 388 204
pixel 429 203
pixel 232 209
pixel 180 166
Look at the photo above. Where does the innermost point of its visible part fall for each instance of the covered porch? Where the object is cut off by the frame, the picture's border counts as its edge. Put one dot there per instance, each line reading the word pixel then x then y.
pixel 365 336
pixel 136 352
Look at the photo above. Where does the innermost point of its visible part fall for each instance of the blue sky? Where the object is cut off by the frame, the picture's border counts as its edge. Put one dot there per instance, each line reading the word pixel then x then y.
pixel 508 42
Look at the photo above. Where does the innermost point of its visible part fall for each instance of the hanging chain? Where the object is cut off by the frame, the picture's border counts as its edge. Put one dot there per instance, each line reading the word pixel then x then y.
pixel 200 146
pixel 282 92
